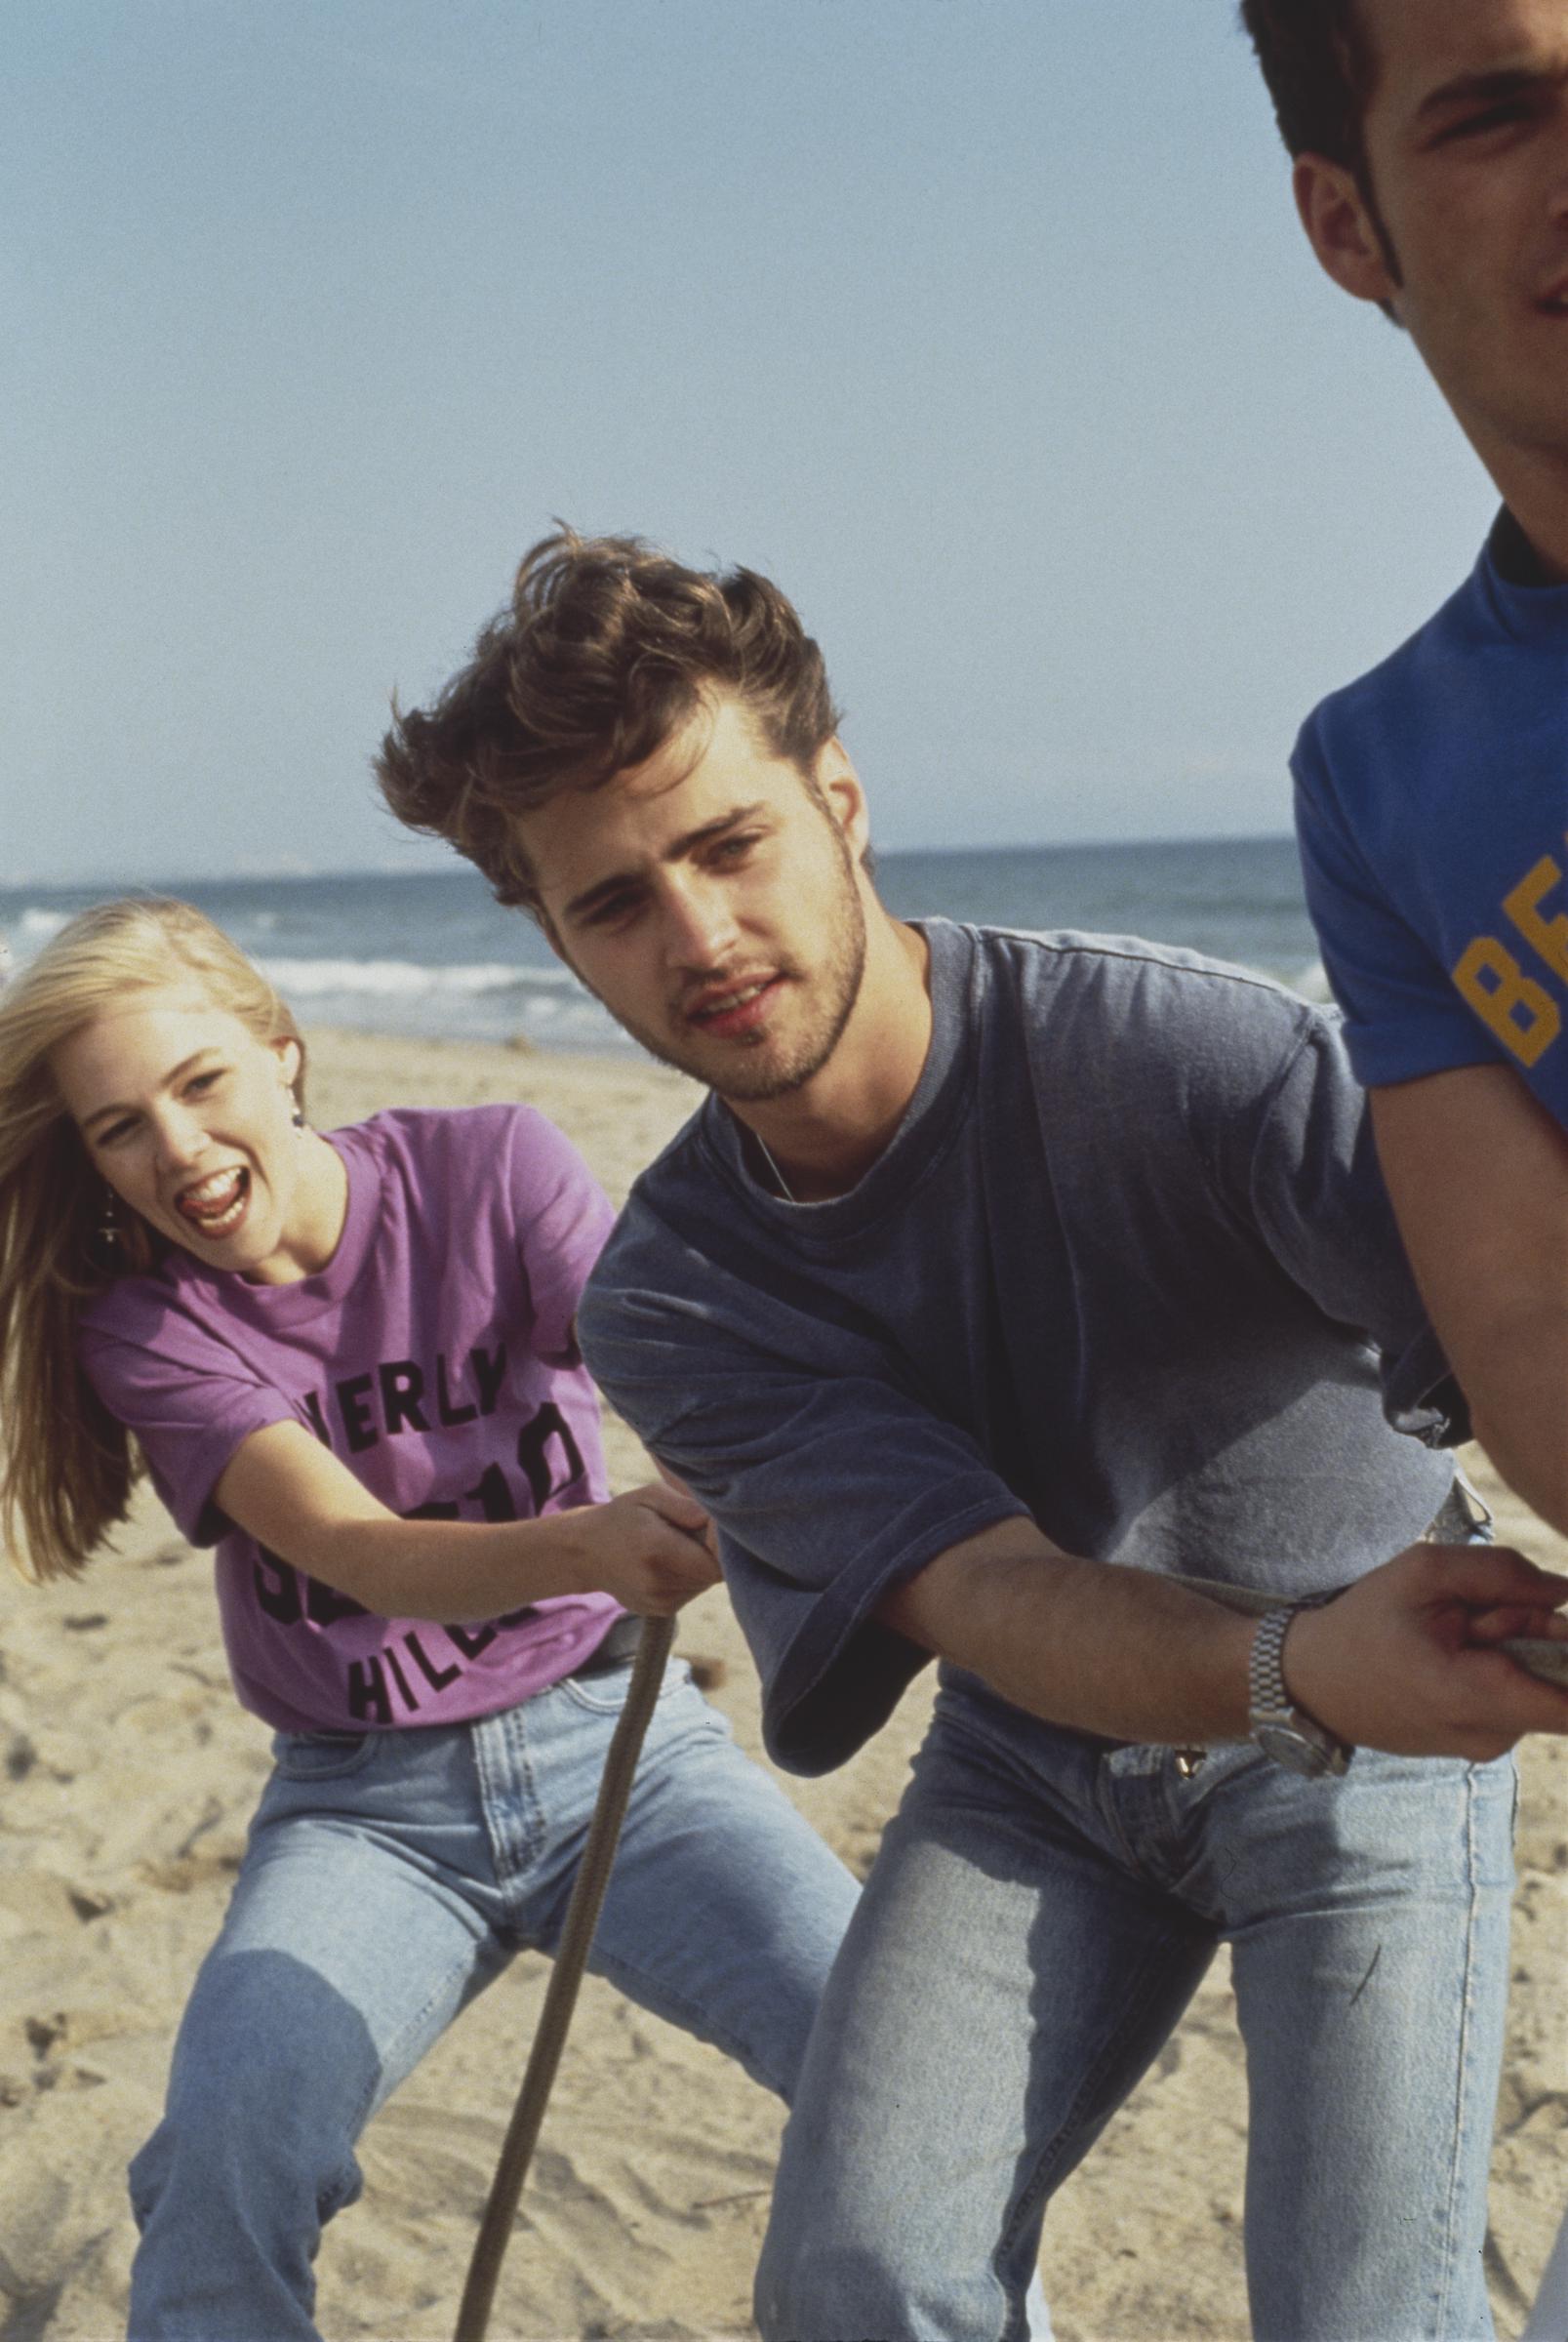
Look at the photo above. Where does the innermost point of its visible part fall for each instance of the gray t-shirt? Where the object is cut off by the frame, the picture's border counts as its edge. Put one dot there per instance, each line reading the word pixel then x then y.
pixel 1126 1267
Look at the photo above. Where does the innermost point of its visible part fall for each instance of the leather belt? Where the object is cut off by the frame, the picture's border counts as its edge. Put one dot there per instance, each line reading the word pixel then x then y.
pixel 617 1647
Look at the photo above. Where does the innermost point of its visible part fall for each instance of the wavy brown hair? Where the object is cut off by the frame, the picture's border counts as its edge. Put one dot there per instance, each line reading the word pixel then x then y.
pixel 67 1466
pixel 607 649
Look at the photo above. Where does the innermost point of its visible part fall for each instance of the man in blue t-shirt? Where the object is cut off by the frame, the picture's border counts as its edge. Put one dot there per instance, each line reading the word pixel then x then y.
pixel 1431 146
pixel 1006 1292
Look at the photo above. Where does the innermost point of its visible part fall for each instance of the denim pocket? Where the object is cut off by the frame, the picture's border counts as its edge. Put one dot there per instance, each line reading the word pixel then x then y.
pixel 321 1756
pixel 605 1693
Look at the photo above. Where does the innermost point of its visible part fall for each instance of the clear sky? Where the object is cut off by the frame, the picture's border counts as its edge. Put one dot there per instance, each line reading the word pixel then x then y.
pixel 985 326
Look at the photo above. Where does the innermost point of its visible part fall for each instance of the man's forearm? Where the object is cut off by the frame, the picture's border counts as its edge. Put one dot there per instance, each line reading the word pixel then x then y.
pixel 1395 1662
pixel 1083 1643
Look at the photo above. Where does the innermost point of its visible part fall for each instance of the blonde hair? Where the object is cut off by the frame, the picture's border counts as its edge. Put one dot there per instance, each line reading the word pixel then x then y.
pixel 67 1466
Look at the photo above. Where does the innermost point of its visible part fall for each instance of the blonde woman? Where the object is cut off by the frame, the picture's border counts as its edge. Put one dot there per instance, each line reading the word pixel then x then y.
pixel 348 1362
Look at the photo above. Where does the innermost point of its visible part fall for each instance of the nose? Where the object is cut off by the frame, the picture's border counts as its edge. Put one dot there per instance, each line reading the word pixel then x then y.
pixel 699 928
pixel 179 1139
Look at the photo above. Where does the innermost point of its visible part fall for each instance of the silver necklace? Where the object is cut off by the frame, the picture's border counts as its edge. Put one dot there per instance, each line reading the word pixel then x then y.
pixel 779 1179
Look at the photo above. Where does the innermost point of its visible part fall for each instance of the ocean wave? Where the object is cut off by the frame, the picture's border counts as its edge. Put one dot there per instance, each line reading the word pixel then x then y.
pixel 308 979
pixel 42 923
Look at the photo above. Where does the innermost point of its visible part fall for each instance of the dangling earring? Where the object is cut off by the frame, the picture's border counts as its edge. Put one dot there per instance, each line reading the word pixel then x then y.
pixel 108 1218
pixel 297 1117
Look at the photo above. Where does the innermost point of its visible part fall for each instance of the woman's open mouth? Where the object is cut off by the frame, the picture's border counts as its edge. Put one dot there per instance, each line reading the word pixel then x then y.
pixel 214 1206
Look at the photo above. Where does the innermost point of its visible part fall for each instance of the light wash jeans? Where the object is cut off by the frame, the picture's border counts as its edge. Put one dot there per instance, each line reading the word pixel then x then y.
pixel 387 1880
pixel 1040 1913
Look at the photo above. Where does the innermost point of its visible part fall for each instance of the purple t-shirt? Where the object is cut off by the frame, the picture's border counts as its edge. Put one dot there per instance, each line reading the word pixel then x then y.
pixel 434 1354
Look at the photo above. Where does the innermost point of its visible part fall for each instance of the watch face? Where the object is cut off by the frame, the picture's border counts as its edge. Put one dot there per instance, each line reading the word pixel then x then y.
pixel 1283 1746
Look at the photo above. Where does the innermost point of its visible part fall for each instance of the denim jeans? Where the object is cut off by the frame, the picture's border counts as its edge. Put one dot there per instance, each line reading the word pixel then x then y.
pixel 387 1880
pixel 1041 1910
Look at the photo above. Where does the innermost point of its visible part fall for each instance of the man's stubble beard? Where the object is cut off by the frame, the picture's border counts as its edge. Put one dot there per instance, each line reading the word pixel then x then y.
pixel 840 983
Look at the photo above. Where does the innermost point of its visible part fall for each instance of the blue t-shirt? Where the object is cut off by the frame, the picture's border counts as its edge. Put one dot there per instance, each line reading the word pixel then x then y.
pixel 1431 802
pixel 1126 1267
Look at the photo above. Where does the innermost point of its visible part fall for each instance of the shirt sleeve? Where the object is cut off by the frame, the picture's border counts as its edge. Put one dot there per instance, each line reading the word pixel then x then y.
pixel 1314 1192
pixel 831 1486
pixel 190 1402
pixel 1403 1017
pixel 563 1218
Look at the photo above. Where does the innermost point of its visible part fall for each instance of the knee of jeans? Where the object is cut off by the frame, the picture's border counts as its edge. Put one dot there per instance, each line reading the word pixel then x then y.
pixel 219 2144
pixel 274 2072
pixel 822 2288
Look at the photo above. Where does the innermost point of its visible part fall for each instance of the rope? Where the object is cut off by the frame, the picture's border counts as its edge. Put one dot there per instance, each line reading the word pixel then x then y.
pixel 571 1959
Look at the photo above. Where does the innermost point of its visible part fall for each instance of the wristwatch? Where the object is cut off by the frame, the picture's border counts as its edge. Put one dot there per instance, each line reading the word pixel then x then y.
pixel 1285 1733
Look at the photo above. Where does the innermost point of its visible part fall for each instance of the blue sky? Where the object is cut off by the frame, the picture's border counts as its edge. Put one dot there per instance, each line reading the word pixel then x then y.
pixel 985 326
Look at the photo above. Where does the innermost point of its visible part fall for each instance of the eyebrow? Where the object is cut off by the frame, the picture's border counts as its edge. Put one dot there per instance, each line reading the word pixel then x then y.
pixel 691 841
pixel 104 1114
pixel 1471 89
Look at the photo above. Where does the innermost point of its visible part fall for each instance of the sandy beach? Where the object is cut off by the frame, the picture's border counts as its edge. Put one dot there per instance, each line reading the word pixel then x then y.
pixel 130 1774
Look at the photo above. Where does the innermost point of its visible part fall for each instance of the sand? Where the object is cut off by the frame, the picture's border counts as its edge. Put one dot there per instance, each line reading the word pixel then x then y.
pixel 130 1773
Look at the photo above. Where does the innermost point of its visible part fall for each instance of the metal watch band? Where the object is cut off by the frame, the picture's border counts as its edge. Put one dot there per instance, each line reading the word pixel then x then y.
pixel 1265 1675
pixel 1283 1731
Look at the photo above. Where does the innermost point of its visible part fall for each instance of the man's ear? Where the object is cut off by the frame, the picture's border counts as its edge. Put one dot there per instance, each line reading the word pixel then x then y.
pixel 840 784
pixel 1341 229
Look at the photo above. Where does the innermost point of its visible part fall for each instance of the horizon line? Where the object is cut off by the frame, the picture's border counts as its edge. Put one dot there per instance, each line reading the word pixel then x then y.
pixel 455 865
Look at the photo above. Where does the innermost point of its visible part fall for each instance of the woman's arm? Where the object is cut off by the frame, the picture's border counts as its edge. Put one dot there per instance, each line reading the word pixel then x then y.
pixel 648 1548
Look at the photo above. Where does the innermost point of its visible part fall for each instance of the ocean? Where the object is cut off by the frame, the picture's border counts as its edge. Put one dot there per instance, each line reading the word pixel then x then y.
pixel 433 954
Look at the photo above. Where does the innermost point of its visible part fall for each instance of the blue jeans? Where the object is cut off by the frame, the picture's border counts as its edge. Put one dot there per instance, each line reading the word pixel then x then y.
pixel 388 1878
pixel 1040 1913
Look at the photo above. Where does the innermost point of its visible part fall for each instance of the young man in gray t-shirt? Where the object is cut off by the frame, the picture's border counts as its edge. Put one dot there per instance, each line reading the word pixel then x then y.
pixel 1003 1284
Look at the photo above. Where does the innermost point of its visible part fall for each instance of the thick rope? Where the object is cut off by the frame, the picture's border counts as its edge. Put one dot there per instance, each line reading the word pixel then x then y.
pixel 571 1959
